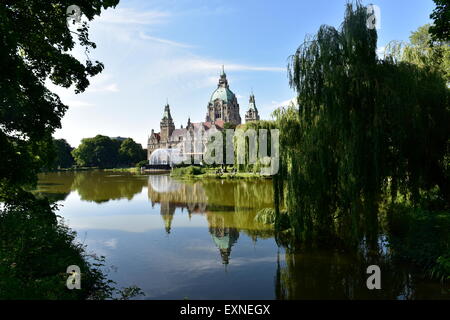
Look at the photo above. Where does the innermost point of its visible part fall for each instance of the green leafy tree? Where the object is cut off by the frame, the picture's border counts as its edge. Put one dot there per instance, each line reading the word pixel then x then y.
pixel 441 16
pixel 100 151
pixel 427 53
pixel 36 44
pixel 63 154
pixel 130 152
pixel 364 126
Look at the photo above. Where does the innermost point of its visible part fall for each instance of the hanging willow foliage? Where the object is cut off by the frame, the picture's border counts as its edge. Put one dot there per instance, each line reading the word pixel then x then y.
pixel 364 126
pixel 242 144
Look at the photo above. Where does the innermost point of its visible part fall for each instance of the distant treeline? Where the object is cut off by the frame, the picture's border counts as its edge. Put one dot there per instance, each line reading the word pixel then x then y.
pixel 100 151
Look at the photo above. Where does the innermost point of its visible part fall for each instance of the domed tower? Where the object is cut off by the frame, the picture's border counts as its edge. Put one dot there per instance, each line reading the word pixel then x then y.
pixel 167 126
pixel 252 112
pixel 223 104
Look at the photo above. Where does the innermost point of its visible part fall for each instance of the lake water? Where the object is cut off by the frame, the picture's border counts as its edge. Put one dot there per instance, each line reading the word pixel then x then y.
pixel 199 240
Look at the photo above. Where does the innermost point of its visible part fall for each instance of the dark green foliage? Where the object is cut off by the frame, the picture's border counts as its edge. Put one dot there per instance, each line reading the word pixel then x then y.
pixel 441 16
pixel 364 126
pixel 422 236
pixel 35 251
pixel 35 248
pixel 142 163
pixel 130 152
pixel 187 171
pixel 104 152
pixel 229 125
pixel 427 53
pixel 63 154
pixel 100 151
pixel 35 42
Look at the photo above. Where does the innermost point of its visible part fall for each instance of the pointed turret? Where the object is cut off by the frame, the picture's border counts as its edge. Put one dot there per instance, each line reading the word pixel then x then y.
pixel 167 114
pixel 252 113
pixel 167 213
pixel 167 125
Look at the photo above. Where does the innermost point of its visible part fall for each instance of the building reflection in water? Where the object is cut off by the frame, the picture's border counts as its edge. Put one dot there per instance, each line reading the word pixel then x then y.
pixel 171 195
pixel 224 237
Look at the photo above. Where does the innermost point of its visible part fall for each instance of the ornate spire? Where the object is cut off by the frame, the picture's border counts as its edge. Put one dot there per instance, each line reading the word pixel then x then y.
pixel 223 82
pixel 252 103
pixel 167 114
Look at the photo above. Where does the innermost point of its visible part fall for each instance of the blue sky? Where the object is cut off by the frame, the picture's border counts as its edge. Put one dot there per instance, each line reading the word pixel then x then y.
pixel 173 49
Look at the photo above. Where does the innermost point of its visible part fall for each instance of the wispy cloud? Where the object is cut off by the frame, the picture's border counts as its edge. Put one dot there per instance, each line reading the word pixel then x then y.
pixel 113 87
pixel 164 41
pixel 131 16
pixel 190 72
pixel 277 104
pixel 77 103
pixel 285 103
pixel 240 67
pixel 210 68
pixel 206 64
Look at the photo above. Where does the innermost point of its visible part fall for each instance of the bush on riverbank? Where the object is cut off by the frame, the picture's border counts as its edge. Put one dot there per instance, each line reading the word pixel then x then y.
pixel 187 171
pixel 423 237
pixel 193 172
pixel 35 251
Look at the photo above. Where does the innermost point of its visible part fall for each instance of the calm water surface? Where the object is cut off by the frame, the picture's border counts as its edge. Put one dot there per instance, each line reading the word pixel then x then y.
pixel 199 240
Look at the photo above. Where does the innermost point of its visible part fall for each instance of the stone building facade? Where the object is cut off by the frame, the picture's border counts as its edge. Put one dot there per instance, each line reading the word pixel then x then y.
pixel 222 108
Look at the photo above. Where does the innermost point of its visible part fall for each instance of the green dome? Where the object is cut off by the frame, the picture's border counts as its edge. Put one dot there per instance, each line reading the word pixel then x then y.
pixel 222 242
pixel 223 94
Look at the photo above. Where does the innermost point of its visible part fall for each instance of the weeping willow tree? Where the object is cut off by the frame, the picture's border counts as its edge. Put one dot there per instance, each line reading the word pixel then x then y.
pixel 364 126
pixel 246 145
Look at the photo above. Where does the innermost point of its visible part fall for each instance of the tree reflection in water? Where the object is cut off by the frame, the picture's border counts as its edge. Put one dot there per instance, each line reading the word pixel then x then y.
pixel 230 207
pixel 94 185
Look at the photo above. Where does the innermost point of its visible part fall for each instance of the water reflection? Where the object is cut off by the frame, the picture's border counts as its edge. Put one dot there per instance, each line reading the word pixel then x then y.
pixel 96 186
pixel 221 212
pixel 176 239
pixel 321 275
pixel 224 237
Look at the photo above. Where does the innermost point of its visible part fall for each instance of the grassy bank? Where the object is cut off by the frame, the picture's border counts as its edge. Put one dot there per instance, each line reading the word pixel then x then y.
pixel 193 172
pixel 132 169
pixel 75 169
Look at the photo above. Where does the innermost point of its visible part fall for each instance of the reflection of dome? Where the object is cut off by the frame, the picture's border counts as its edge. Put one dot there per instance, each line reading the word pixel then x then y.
pixel 223 242
pixel 163 183
pixel 223 94
pixel 224 238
